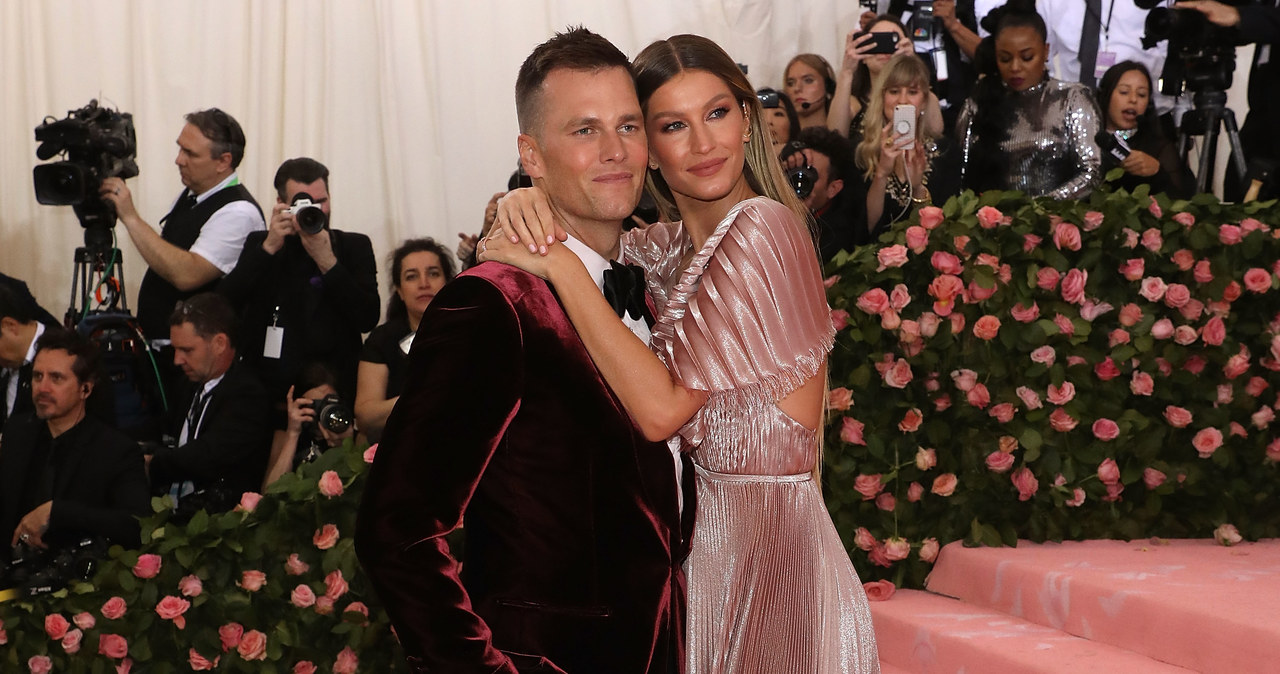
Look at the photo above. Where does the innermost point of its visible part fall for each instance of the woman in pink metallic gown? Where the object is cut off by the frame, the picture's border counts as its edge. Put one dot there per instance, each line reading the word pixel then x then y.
pixel 736 369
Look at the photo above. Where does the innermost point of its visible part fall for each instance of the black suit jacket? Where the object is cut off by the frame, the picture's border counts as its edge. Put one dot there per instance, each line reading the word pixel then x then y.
pixel 323 316
pixel 574 539
pixel 101 488
pixel 234 440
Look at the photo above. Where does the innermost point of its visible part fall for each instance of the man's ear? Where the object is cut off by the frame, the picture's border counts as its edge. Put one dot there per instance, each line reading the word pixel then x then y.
pixel 8 324
pixel 530 155
pixel 86 390
pixel 220 342
pixel 224 163
pixel 834 187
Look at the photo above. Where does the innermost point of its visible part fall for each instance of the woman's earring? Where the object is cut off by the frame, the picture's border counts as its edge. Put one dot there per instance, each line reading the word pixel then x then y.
pixel 653 167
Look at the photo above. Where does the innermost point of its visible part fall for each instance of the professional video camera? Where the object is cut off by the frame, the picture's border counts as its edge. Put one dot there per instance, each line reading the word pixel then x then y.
pixel 98 143
pixel 34 571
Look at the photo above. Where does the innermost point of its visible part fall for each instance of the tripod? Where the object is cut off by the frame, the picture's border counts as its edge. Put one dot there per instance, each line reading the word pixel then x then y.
pixel 1207 115
pixel 96 259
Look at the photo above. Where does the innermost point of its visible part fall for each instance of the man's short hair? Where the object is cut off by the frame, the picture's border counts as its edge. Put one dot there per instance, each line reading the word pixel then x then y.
pixel 208 313
pixel 303 170
pixel 575 49
pixel 15 307
pixel 222 130
pixel 834 147
pixel 85 352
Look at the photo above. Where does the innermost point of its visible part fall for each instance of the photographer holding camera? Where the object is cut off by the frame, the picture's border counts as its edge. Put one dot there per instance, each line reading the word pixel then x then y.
pixel 204 231
pixel 318 419
pixel 818 165
pixel 305 292
pixel 64 474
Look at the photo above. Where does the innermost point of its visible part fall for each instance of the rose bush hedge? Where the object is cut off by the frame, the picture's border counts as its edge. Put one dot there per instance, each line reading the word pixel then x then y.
pixel 1009 367
pixel 272 586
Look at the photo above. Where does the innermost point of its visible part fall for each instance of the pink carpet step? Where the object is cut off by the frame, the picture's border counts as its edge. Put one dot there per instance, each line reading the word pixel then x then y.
pixel 1192 603
pixel 930 634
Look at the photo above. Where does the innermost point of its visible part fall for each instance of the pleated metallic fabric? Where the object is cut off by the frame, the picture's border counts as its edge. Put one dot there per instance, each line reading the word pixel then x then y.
pixel 771 587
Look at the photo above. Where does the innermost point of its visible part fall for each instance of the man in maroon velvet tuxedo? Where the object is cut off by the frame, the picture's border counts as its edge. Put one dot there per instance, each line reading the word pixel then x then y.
pixel 574 536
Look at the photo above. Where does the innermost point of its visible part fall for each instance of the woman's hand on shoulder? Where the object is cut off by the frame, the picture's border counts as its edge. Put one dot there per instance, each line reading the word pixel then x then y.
pixel 1141 164
pixel 525 216
pixel 499 247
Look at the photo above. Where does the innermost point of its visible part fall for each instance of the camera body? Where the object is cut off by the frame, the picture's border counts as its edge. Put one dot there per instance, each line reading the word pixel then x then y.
pixel 904 124
pixel 1201 55
pixel 34 571
pixel 309 215
pixel 332 415
pixel 98 143
pixel 923 25
pixel 801 178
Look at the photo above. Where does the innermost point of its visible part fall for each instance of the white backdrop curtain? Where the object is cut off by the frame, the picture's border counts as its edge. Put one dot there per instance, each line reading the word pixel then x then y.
pixel 408 102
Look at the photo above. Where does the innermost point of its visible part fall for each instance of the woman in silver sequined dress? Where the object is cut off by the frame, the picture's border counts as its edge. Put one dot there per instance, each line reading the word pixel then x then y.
pixel 1023 130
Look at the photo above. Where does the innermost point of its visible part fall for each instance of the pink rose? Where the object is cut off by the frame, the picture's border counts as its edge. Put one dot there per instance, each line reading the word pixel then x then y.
pixel 56 626
pixel 978 396
pixel 886 502
pixel 1152 240
pixel 1075 361
pixel 830 281
pixel 1153 288
pixel 325 537
pixel 1226 394
pixel 1047 278
pixel 988 260
pixel 295 566
pixel 1108 471
pixel 1163 365
pixel 911 421
pixel 249 501
pixel 930 217
pixel 957 323
pixel 1130 315
pixel 1060 421
pixel 1077 498
pixel 926 458
pixel 1117 337
pixel 1192 309
pixel 986 328
pixel 370 453
pixel 1130 238
pixel 1073 286
pixel 1237 364
pixel 113 646
pixel 1184 218
pixel 1044 355
pixel 302 596
pixel 1257 280
pixel 851 431
pixel 84 620
pixel 357 607
pixel 863 539
pixel 1141 384
pixel 899 375
pixel 839 398
pixel 1230 234
pixel 1092 220
pixel 915 492
pixel 964 379
pixel 1106 370
pixel 899 297
pixel 253 646
pixel 200 663
pixel 1029 398
pixel 1273 451
pixel 1184 335
pixel 114 608
pixel 942 402
pixel 230 635
pixel 891 256
pixel 1214 331
pixel 1233 291
pixel 839 319
pixel 1026 483
pixel 1162 329
pixel 1178 417
pixel 1030 242
pixel 1256 386
pixel 1061 395
pixel 190 586
pixel 330 484
pixel 868 485
pixel 39 664
pixel 1227 535
pixel 1203 272
pixel 944 289
pixel 324 606
pixel 334 585
pixel 945 484
pixel 1023 314
pixel 999 462
pixel 1066 236
pixel 946 263
pixel 896 549
pixel 1262 418
pixel 929 322
pixel 917 239
pixel 1002 412
pixel 989 217
pixel 874 301
pixel 172 608
pixel 1176 295
pixel 1091 310
pixel 252 581
pixel 147 567
pixel 1207 441
pixel 929 550
pixel 1251 225
pixel 1152 478
pixel 347 662
pixel 71 642
pixel 978 292
pixel 1183 259
pixel 124 666
pixel 1106 430
pixel 890 320
pixel 1064 324
pixel 879 590
pixel 960 243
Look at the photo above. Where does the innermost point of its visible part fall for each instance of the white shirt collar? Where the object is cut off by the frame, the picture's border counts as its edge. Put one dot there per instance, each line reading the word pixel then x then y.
pixel 232 179
pixel 593 261
pixel 31 348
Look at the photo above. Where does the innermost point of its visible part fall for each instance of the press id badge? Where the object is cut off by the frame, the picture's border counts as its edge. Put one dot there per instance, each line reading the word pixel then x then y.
pixel 272 344
pixel 1106 59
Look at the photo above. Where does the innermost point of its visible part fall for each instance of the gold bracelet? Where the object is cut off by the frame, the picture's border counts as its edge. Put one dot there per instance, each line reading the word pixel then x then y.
pixel 926 199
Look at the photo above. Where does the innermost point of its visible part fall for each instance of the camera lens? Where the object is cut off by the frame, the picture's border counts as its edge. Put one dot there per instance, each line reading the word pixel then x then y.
pixel 310 219
pixel 802 180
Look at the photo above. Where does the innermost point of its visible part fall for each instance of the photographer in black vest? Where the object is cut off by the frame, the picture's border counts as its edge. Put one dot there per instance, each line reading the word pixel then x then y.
pixel 204 231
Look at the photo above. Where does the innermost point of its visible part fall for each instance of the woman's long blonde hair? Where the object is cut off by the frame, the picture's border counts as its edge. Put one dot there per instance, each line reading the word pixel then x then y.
pixel 903 70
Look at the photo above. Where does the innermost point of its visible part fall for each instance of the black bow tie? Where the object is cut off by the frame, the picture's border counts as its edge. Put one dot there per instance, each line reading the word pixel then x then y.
pixel 624 291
